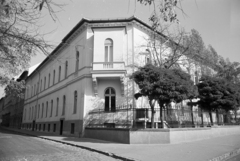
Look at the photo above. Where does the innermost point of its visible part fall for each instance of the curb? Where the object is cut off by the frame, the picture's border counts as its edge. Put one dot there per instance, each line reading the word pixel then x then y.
pixel 226 155
pixel 109 154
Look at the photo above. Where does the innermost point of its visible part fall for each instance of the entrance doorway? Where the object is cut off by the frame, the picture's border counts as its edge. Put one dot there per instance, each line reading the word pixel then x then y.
pixel 61 127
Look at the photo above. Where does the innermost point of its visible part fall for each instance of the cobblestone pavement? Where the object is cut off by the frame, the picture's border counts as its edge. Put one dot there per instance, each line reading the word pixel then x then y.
pixel 74 154
pixel 17 147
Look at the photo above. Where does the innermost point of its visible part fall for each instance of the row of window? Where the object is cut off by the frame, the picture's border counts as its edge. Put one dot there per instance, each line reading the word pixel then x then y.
pixel 42 127
pixel 43 111
pixel 36 88
pixel 108 57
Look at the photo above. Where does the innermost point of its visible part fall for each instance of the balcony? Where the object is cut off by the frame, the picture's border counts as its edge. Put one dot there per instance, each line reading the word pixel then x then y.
pixel 108 66
pixel 108 70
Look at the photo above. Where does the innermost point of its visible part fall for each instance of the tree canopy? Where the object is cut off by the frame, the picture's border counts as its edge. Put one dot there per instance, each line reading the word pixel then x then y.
pixel 162 85
pixel 20 38
pixel 216 94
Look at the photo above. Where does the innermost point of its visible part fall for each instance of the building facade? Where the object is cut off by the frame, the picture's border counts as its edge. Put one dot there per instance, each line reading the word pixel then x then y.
pixel 88 71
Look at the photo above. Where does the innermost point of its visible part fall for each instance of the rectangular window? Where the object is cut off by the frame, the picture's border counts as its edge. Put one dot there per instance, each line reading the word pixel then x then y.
pixel 46 108
pixel 40 86
pixel 49 78
pixel 44 83
pixel 35 112
pixel 38 111
pixel 57 106
pixel 75 102
pixel 72 128
pixel 51 108
pixel 42 109
pixel 53 77
pixel 59 74
pixel 54 127
pixel 106 53
pixel 64 105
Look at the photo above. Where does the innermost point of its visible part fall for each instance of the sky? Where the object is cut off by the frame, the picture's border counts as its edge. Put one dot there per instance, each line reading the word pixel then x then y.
pixel 218 21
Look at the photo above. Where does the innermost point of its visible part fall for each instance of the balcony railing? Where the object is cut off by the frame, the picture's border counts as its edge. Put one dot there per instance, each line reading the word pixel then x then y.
pixel 108 66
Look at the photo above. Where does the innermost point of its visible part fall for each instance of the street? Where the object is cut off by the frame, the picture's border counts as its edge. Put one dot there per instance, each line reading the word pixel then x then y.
pixel 19 147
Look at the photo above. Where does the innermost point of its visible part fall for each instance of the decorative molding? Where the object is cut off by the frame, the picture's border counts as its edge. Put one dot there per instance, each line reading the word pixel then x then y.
pixel 95 85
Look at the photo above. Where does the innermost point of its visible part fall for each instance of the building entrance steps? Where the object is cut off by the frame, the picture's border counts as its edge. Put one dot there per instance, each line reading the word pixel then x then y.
pixel 213 149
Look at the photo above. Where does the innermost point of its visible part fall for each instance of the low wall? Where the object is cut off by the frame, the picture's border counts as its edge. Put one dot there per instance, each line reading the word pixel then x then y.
pixel 159 136
pixel 108 134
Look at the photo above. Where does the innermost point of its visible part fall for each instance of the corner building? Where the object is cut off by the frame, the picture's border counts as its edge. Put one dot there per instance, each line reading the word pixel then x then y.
pixel 89 69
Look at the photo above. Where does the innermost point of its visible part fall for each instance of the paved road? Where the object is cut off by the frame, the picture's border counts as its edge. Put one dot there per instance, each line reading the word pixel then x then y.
pixel 18 147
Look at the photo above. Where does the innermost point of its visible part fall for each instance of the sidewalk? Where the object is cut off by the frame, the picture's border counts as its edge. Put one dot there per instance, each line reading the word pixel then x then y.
pixel 214 149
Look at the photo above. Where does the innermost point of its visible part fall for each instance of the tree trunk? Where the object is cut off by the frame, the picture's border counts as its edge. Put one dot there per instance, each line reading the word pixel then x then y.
pixel 152 104
pixel 210 115
pixel 202 117
pixel 192 114
pixel 161 114
pixel 193 125
pixel 217 116
pixel 152 118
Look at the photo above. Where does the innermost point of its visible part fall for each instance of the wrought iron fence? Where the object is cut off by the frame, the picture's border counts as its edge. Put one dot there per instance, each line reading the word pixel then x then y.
pixel 128 117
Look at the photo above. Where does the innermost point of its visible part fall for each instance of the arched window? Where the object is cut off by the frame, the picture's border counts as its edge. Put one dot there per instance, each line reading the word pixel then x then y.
pixel 59 74
pixel 64 105
pixel 77 61
pixel 54 76
pixel 41 86
pixel 108 44
pixel 110 99
pixel 42 109
pixel 75 102
pixel 25 114
pixel 66 69
pixel 38 110
pixel 44 83
pixel 38 87
pixel 46 108
pixel 35 112
pixel 49 78
pixel 51 108
pixel 57 106
pixel 29 113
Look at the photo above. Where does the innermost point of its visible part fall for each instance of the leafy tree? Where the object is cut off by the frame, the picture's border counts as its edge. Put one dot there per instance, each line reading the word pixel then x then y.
pixel 165 8
pixel 19 35
pixel 162 85
pixel 216 94
pixel 146 77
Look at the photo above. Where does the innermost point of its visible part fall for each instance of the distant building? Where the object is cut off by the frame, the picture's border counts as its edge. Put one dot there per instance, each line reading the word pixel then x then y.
pixel 11 105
